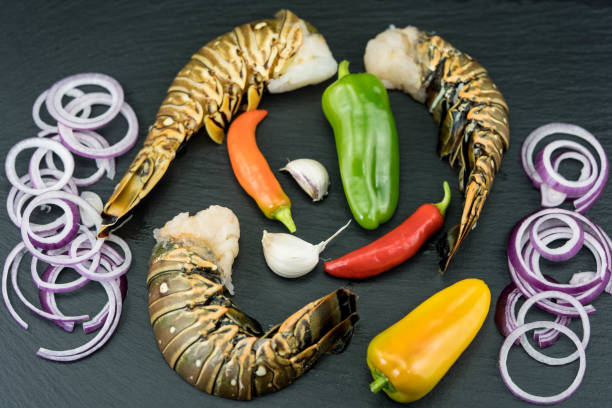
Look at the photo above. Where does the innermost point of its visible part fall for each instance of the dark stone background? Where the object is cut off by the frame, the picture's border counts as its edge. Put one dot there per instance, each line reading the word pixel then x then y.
pixel 551 61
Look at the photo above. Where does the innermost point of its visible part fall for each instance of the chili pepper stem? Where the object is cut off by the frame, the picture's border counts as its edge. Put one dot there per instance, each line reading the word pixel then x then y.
pixel 443 205
pixel 283 214
pixel 380 382
pixel 343 69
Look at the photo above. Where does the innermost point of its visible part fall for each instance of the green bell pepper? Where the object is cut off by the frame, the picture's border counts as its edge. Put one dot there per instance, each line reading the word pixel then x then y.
pixel 357 107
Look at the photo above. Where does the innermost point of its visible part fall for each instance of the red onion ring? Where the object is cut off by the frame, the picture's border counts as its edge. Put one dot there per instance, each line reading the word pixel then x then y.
pixel 86 137
pixel 57 92
pixel 111 274
pixel 98 320
pixel 16 200
pixel 551 177
pixel 11 265
pixel 110 324
pixel 56 147
pixel 62 259
pixel 525 271
pixel 47 297
pixel 577 288
pixel 47 300
pixel 56 239
pixel 586 327
pixel 519 392
pixel 505 317
pixel 567 250
pixel 129 140
pixel 75 93
pixel 545 174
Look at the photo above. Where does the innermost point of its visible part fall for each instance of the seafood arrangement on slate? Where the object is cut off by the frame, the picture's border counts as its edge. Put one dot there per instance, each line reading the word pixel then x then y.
pixel 201 332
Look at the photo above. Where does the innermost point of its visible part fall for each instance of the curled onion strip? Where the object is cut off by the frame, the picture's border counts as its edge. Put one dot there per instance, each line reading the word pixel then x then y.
pixel 546 177
pixel 11 265
pixel 110 324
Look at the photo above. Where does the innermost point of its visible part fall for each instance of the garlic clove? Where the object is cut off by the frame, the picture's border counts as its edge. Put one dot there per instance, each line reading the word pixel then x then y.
pixel 291 257
pixel 310 175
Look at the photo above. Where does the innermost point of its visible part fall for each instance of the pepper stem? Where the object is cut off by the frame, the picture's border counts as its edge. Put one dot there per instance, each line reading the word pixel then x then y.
pixel 380 382
pixel 443 205
pixel 343 69
pixel 283 214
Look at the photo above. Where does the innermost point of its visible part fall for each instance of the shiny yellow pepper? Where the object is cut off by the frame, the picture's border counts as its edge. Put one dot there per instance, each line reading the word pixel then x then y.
pixel 409 358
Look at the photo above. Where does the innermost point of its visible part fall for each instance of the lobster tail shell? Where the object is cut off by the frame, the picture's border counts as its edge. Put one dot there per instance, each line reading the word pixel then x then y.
pixel 474 128
pixel 206 93
pixel 219 349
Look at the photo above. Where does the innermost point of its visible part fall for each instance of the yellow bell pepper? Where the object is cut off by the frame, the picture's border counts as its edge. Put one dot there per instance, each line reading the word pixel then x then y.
pixel 409 358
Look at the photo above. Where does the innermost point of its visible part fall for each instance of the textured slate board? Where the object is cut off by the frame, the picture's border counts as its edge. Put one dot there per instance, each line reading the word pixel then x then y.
pixel 551 61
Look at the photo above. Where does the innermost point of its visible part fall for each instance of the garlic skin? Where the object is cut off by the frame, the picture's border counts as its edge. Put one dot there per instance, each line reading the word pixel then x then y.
pixel 291 257
pixel 310 175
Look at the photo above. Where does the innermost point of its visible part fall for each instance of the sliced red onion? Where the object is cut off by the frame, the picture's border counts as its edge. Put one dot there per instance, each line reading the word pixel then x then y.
pixel 505 317
pixel 58 239
pixel 75 93
pixel 110 324
pixel 555 188
pixel 11 265
pixel 524 267
pixel 567 250
pixel 109 275
pixel 47 300
pixel 98 320
pixel 47 297
pixel 551 177
pixel 16 200
pixel 94 252
pixel 586 327
pixel 129 140
pixel 48 284
pixel 576 288
pixel 519 392
pixel 34 142
pixel 86 137
pixel 63 116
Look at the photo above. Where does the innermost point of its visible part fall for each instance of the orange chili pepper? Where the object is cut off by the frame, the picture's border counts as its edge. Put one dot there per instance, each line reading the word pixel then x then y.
pixel 252 170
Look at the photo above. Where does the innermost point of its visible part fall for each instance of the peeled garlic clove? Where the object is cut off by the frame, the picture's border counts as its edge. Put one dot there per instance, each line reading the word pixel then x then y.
pixel 291 257
pixel 310 175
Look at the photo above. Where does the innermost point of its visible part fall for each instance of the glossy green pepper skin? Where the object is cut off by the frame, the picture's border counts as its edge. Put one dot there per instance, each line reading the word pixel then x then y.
pixel 357 107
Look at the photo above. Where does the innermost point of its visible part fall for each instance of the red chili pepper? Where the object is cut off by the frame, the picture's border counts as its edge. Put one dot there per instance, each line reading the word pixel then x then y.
pixel 394 247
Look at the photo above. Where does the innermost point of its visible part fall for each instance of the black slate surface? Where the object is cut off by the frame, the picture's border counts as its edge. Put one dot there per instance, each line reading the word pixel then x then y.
pixel 551 61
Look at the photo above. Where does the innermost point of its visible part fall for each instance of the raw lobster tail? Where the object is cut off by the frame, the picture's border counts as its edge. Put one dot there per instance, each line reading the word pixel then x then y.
pixel 471 111
pixel 209 91
pixel 219 349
